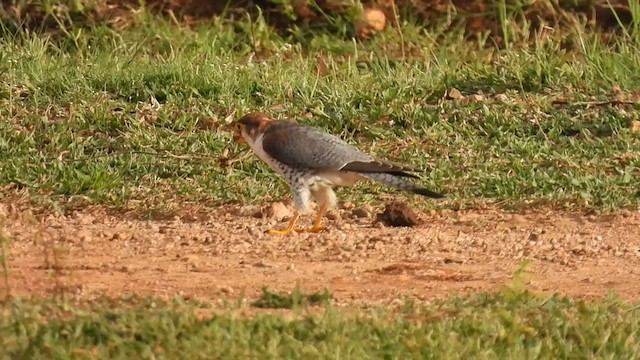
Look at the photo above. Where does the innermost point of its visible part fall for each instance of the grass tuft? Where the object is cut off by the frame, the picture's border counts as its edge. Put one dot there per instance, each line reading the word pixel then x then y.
pixel 297 298
pixel 517 325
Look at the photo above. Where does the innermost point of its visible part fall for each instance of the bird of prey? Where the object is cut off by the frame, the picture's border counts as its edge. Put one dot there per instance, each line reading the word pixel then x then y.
pixel 313 162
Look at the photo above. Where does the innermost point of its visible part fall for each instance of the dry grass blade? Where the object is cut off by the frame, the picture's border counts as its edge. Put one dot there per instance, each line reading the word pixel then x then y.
pixel 589 104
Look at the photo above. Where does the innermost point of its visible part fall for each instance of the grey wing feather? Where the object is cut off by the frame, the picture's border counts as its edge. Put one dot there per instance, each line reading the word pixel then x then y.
pixel 302 146
pixel 306 147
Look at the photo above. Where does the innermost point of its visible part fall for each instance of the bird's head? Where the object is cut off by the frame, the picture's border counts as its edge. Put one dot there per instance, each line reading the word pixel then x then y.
pixel 250 126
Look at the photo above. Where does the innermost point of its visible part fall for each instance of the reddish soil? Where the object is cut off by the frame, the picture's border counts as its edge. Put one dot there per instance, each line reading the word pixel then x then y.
pixel 226 256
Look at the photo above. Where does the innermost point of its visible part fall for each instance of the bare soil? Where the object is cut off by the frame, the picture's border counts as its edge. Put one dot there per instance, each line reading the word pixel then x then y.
pixel 227 255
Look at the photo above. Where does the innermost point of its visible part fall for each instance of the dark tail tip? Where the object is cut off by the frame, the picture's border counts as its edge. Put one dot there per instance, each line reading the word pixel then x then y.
pixel 428 193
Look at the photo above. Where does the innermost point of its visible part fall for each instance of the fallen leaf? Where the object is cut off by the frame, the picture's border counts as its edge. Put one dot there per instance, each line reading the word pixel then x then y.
pixel 230 117
pixel 322 69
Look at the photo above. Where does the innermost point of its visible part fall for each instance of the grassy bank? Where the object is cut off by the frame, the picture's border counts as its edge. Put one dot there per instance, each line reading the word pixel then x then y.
pixel 133 119
pixel 510 324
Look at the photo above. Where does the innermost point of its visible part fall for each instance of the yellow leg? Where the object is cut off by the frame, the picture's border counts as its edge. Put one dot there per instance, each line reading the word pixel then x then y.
pixel 289 227
pixel 316 224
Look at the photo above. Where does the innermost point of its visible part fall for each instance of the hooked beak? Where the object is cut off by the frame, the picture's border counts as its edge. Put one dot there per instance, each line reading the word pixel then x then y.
pixel 237 134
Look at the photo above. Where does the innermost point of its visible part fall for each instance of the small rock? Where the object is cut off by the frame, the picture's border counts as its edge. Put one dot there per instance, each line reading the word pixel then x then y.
pixel 476 98
pixel 78 201
pixel 333 215
pixel 635 126
pixel 250 210
pixel 208 123
pixel 262 264
pixel 370 22
pixel 191 260
pixel 502 98
pixel 450 260
pixel 375 239
pixel 454 94
pixel 279 211
pixel 347 205
pixel 256 233
pixel 360 212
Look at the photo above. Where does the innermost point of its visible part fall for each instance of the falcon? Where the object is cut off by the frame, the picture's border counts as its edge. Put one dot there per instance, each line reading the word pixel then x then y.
pixel 313 162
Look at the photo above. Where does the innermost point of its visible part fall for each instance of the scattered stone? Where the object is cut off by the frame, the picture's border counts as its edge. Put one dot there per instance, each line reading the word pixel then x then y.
pixel 262 264
pixel 360 212
pixel 208 123
pixel 226 290
pixel 78 202
pixel 191 260
pixel 476 98
pixel 450 260
pixel 398 213
pixel 454 94
pixel 635 126
pixel 502 98
pixel 279 211
pixel 250 210
pixel 333 215
pixel 370 22
pixel 255 232
pixel 347 205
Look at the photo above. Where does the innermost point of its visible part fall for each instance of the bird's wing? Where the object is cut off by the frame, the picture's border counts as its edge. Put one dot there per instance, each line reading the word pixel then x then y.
pixel 303 146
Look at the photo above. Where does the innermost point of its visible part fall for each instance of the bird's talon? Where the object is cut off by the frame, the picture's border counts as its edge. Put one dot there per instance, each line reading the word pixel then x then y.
pixel 317 229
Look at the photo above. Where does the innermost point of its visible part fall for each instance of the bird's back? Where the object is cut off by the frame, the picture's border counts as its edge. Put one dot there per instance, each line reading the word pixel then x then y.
pixel 303 146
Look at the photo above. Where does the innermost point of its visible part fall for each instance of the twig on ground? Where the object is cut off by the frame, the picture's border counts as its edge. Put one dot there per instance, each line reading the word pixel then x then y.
pixel 589 104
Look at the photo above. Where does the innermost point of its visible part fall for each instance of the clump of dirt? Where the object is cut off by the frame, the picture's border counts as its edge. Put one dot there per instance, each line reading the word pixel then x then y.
pixel 399 213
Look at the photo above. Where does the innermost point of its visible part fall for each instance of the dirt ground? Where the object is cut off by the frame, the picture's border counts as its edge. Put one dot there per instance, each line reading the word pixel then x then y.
pixel 227 255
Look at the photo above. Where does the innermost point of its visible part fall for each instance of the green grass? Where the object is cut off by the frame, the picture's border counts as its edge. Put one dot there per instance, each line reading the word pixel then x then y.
pixel 273 300
pixel 507 325
pixel 121 118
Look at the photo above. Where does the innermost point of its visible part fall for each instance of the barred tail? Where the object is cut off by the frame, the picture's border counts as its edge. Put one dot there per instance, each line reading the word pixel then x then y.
pixel 399 183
